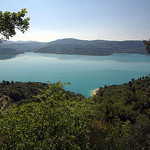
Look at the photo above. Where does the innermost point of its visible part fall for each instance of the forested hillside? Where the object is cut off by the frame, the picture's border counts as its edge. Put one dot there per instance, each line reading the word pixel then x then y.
pixel 96 47
pixel 18 92
pixel 8 51
pixel 22 46
pixel 74 46
pixel 117 117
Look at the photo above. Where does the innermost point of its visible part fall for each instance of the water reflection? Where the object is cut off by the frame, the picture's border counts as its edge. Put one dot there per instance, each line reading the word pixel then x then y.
pixel 114 57
pixel 121 57
pixel 7 57
pixel 84 72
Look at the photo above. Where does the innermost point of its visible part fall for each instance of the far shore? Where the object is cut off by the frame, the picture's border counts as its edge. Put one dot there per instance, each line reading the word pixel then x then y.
pixel 68 54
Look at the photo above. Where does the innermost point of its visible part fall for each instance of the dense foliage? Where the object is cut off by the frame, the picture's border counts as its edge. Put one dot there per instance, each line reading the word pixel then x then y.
pixel 10 21
pixel 147 43
pixel 57 121
pixel 128 100
pixel 117 117
pixel 127 109
pixel 12 92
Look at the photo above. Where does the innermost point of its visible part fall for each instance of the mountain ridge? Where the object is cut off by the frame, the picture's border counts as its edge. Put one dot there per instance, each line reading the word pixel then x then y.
pixel 92 47
pixel 74 46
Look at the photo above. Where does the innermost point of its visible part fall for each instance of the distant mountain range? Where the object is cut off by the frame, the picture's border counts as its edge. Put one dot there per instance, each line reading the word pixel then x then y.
pixel 74 46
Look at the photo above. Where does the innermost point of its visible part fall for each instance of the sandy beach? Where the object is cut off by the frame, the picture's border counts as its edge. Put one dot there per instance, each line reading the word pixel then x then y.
pixel 94 92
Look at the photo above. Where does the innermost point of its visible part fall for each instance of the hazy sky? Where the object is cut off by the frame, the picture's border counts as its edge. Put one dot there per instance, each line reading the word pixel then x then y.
pixel 83 19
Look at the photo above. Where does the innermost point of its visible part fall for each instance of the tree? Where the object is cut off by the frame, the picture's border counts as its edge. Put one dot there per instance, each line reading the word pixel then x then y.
pixel 11 21
pixel 59 120
pixel 147 43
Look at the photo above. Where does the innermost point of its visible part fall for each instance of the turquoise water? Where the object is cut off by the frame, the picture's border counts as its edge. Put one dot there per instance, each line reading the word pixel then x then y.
pixel 86 73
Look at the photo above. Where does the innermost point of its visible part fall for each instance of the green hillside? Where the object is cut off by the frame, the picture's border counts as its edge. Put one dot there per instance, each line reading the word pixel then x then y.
pixel 8 51
pixel 22 46
pixel 45 116
pixel 75 46
pixel 97 47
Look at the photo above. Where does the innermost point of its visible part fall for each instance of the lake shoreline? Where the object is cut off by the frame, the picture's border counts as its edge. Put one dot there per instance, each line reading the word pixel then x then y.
pixel 18 53
pixel 94 92
pixel 85 73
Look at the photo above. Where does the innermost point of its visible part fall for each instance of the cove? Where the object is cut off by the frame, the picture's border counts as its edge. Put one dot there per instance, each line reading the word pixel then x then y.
pixel 85 73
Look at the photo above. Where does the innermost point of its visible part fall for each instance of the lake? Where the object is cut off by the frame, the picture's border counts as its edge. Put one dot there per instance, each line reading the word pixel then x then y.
pixel 85 73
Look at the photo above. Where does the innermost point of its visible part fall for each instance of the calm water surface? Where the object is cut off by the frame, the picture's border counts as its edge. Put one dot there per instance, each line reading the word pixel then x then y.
pixel 86 73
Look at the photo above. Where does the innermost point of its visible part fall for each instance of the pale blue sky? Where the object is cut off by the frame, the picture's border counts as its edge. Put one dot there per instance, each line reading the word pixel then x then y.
pixel 83 19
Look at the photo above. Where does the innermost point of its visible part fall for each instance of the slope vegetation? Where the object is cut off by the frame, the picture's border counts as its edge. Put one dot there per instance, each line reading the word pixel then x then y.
pixel 117 117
